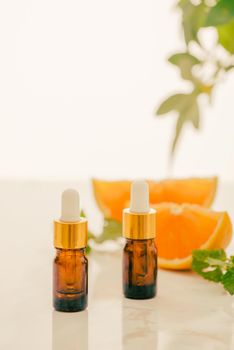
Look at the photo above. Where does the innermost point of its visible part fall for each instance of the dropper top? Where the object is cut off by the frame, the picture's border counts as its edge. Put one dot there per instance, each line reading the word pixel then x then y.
pixel 139 202
pixel 70 206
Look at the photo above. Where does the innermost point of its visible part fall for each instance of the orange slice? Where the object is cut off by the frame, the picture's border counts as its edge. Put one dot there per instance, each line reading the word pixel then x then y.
pixel 183 228
pixel 113 196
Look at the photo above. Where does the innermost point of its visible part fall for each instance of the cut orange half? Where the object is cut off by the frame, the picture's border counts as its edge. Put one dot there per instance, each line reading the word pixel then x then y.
pixel 113 196
pixel 183 228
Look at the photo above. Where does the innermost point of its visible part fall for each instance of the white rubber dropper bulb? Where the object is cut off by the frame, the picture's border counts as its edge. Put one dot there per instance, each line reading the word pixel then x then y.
pixel 70 206
pixel 139 197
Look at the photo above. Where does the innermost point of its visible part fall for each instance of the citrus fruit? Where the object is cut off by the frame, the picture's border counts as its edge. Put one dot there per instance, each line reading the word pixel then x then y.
pixel 183 228
pixel 113 196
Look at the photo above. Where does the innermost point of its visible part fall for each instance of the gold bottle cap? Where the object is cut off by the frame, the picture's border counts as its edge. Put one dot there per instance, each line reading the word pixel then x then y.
pixel 71 235
pixel 71 231
pixel 139 222
pixel 139 226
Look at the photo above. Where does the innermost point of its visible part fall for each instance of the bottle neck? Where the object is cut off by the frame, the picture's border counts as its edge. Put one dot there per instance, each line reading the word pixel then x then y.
pixel 60 251
pixel 140 241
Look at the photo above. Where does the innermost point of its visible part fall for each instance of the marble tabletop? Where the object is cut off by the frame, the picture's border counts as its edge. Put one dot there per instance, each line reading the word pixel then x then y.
pixel 188 313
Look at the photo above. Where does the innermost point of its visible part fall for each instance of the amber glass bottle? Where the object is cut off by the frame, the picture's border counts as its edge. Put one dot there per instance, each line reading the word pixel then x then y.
pixel 140 253
pixel 70 270
pixel 70 280
pixel 139 269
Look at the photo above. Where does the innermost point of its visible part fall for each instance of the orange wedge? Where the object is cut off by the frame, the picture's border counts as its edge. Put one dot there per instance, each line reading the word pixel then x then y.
pixel 113 196
pixel 183 228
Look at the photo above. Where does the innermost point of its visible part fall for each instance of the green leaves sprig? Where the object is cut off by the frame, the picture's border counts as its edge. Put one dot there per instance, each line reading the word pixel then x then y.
pixel 215 266
pixel 111 230
pixel 188 111
pixel 194 19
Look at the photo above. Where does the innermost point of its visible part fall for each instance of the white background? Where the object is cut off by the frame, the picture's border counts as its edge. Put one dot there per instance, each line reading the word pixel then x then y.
pixel 79 81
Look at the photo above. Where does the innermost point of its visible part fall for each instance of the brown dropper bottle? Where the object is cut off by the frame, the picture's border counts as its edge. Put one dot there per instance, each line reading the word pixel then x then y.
pixel 140 253
pixel 70 272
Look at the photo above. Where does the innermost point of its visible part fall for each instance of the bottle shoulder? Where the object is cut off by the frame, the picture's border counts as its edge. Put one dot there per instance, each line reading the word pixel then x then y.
pixel 140 245
pixel 66 255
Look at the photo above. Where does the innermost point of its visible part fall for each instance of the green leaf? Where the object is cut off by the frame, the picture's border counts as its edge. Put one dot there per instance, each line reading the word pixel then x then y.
pixel 200 264
pixel 215 262
pixel 111 230
pixel 185 62
pixel 226 36
pixel 202 255
pixel 88 249
pixel 193 18
pixel 229 67
pixel 187 107
pixel 215 266
pixel 171 103
pixel 193 113
pixel 179 58
pixel 188 112
pixel 221 13
pixel 228 281
pixel 90 234
pixel 179 126
pixel 82 214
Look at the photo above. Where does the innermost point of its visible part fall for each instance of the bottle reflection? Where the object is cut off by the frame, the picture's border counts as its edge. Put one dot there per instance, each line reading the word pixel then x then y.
pixel 139 328
pixel 70 331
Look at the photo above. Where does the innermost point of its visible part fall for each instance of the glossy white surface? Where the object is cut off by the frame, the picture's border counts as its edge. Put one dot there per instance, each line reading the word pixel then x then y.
pixel 189 313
